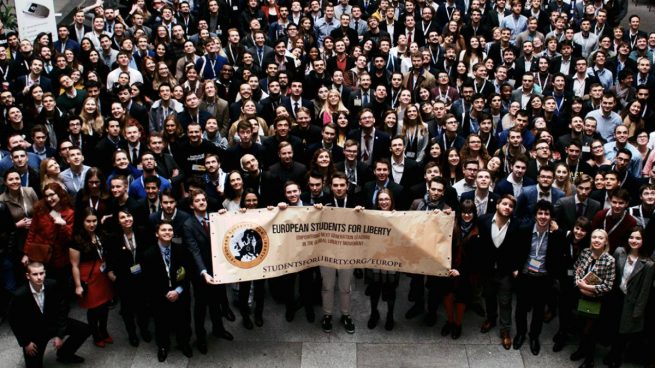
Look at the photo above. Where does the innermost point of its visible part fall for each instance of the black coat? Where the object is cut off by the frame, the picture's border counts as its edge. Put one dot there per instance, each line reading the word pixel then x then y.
pixel 28 323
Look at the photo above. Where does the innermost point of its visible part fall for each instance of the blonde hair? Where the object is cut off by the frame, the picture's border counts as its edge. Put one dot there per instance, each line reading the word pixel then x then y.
pixel 607 239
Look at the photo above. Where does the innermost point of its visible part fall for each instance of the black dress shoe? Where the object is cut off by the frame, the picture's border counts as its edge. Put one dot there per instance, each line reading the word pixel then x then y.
pixel 134 341
pixel 222 334
pixel 202 346
pixel 389 323
pixel 535 346
pixel 560 341
pixel 446 329
pixel 228 314
pixel 519 339
pixel 588 363
pixel 487 326
pixel 146 335
pixel 373 321
pixel 430 319
pixel 358 273
pixel 259 320
pixel 247 323
pixel 70 359
pixel 311 316
pixel 414 311
pixel 578 354
pixel 186 350
pixel 457 332
pixel 162 353
pixel 289 314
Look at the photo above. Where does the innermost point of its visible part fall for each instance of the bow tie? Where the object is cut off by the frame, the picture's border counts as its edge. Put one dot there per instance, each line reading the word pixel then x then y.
pixel 543 194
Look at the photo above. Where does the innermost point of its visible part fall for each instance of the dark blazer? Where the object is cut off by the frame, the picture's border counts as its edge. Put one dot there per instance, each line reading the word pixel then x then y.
pixel 566 211
pixel 304 102
pixel 491 201
pixel 120 259
pixel 21 82
pixel 29 324
pixel 495 55
pixel 397 191
pixel 556 63
pixel 412 174
pixel 364 175
pixel 441 17
pixel 158 279
pixel 554 251
pixel 69 44
pixel 633 310
pixel 336 152
pixel 381 143
pixel 505 259
pixel 347 32
pixel 526 202
pixel 199 246
pixel 505 187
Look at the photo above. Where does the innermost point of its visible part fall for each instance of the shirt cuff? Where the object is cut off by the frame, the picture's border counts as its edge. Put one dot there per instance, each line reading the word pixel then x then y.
pixel 179 290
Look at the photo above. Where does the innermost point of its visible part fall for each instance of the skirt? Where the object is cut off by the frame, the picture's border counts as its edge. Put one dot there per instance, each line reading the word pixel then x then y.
pixel 100 289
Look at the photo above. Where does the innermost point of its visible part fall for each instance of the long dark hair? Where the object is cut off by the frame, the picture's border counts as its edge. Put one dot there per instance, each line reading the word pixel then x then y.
pixel 80 235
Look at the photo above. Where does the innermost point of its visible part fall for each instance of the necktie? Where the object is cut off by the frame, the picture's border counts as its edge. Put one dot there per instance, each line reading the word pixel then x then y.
pixel 135 156
pixel 365 98
pixel 260 54
pixel 367 142
pixel 295 108
pixel 153 208
pixel 409 38
pixel 580 211
pixel 167 257
pixel 76 142
pixel 357 27
pixel 205 225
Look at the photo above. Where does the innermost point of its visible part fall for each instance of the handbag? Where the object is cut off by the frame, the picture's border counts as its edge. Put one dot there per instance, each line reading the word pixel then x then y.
pixel 589 307
pixel 40 252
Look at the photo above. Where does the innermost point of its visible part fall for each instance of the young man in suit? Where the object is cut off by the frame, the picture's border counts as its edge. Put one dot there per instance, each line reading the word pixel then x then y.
pixel 498 264
pixel 38 313
pixel 338 198
pixel 382 171
pixel 526 202
pixel 207 293
pixel 166 268
pixel 485 200
pixel 568 209
pixel 374 143
pixel 540 257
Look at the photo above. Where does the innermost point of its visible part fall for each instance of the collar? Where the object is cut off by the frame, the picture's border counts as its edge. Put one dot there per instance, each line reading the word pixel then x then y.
pixel 34 291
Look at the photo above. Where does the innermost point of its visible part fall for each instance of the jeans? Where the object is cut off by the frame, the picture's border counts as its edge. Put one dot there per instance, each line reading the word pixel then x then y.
pixel 329 276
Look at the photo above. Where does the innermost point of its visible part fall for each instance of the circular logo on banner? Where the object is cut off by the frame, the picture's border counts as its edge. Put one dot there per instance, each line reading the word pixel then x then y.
pixel 245 245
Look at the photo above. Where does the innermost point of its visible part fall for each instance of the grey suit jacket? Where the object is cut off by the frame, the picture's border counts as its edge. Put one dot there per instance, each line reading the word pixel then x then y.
pixel 639 284
pixel 565 211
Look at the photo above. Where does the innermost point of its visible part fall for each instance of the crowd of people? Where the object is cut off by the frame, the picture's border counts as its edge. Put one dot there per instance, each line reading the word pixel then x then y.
pixel 531 122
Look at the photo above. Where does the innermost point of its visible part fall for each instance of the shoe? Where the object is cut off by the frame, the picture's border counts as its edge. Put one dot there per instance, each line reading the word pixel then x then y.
pixel 289 314
pixel 577 355
pixel 228 314
pixel 535 346
pixel 430 319
pixel 100 343
pixel 146 335
pixel 506 341
pixel 457 332
pixel 326 323
pixel 446 329
pixel 310 315
pixel 373 321
pixel 162 353
pixel 414 311
pixel 186 350
pixel 588 363
pixel 359 274
pixel 202 346
pixel 247 323
pixel 134 341
pixel 108 340
pixel 519 339
pixel 389 323
pixel 560 341
pixel 259 320
pixel 477 309
pixel 70 359
pixel 223 334
pixel 487 326
pixel 348 324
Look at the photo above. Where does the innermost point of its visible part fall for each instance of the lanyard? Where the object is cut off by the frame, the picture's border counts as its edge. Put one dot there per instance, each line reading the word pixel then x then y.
pixel 131 246
pixel 95 207
pixel 541 241
pixel 99 248
pixel 481 88
pixel 541 84
pixel 615 225
pixel 345 202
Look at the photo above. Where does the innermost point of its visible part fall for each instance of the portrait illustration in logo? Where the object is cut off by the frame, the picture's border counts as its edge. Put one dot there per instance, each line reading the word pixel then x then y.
pixel 245 245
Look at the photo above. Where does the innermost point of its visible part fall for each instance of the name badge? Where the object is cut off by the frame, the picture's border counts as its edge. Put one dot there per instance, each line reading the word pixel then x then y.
pixel 357 102
pixel 103 267
pixel 139 167
pixel 196 167
pixel 235 8
pixel 136 269
pixel 534 265
pixel 570 273
pixel 586 149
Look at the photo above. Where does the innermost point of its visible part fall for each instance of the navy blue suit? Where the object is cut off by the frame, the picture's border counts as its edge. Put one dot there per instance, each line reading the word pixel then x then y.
pixel 526 202
pixel 505 187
